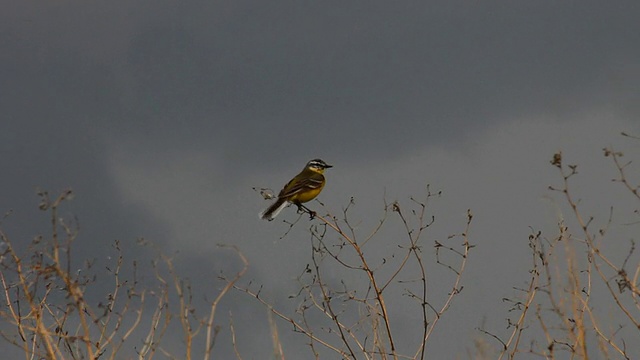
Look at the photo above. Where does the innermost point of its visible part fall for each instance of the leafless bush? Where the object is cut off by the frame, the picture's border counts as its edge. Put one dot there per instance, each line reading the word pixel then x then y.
pixel 579 302
pixel 50 316
pixel 355 321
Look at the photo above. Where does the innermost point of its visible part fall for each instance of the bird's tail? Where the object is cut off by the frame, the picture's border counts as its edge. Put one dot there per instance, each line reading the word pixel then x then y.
pixel 272 211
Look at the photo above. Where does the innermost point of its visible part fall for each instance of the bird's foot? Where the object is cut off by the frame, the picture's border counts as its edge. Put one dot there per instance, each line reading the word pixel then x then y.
pixel 304 209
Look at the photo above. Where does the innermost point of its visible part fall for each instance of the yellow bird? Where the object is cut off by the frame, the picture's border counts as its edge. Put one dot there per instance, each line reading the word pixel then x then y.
pixel 302 188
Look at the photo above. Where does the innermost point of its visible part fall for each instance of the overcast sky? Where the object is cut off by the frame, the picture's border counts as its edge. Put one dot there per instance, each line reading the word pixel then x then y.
pixel 163 115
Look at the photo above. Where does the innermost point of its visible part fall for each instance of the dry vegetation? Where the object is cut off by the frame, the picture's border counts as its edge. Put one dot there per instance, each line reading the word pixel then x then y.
pixel 355 321
pixel 47 312
pixel 557 315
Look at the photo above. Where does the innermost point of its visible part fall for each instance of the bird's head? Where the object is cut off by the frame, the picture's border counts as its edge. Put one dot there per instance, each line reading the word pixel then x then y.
pixel 317 165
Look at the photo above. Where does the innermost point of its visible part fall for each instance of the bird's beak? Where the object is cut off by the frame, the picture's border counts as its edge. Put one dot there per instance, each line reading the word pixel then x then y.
pixel 328 166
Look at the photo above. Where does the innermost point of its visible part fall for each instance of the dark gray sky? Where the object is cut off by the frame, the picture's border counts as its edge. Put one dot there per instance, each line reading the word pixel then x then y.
pixel 163 115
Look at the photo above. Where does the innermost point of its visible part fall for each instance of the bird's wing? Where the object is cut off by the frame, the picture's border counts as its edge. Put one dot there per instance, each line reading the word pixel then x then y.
pixel 297 185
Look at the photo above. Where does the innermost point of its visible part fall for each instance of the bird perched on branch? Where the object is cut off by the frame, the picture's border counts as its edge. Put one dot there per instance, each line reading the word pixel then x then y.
pixel 302 188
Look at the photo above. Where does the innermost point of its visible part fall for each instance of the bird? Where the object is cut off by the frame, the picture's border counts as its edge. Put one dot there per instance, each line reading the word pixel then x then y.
pixel 302 188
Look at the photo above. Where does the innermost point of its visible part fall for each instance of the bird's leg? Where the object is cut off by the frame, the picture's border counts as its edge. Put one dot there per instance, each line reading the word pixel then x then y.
pixel 302 208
